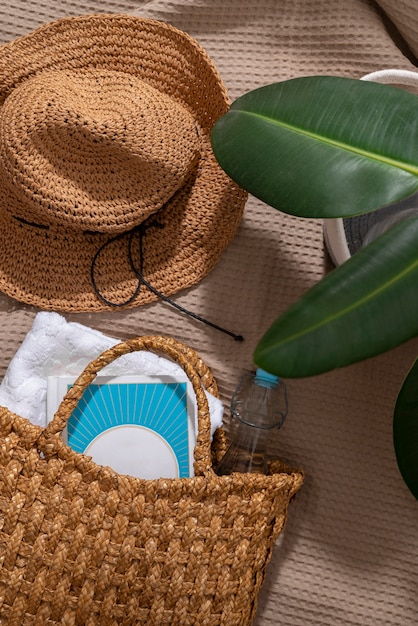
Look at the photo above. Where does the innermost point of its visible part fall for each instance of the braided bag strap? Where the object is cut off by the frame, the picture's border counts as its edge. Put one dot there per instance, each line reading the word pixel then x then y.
pixel 196 370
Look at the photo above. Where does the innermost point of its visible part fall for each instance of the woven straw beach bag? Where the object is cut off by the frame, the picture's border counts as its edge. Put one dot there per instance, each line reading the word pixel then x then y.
pixel 83 545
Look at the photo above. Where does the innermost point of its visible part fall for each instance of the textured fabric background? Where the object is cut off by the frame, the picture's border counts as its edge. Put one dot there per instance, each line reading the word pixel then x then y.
pixel 349 555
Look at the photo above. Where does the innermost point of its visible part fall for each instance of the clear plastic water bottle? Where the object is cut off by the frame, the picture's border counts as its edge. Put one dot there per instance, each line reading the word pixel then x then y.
pixel 258 405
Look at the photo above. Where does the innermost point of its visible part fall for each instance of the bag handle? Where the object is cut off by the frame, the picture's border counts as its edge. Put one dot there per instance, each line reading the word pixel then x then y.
pixel 196 370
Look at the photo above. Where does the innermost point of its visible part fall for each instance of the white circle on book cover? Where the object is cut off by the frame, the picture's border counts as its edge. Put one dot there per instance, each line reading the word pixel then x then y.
pixel 134 450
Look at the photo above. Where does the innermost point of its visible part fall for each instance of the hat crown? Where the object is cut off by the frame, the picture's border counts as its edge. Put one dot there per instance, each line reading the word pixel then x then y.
pixel 95 150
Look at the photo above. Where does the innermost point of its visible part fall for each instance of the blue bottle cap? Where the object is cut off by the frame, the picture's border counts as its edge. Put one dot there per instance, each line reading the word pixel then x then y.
pixel 265 379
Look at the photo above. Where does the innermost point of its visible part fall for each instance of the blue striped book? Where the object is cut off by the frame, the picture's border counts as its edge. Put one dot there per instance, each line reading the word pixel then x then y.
pixel 143 426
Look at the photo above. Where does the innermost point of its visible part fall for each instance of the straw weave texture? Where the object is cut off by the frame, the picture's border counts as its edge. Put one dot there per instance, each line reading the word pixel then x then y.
pixel 80 544
pixel 349 553
pixel 105 138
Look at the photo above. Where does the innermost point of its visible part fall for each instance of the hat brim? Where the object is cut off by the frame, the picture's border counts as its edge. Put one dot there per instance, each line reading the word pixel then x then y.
pixel 158 53
pixel 50 266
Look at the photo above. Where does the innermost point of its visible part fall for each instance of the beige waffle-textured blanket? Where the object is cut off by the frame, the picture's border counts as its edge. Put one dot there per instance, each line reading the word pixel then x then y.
pixel 349 555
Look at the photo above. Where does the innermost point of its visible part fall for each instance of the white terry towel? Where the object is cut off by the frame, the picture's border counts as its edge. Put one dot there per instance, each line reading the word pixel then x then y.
pixel 55 347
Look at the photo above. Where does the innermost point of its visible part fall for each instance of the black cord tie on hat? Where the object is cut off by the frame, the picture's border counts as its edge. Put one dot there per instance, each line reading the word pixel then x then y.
pixel 140 231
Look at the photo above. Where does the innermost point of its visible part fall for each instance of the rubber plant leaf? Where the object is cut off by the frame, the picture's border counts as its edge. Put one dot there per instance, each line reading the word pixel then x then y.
pixel 364 307
pixel 322 146
pixel 405 430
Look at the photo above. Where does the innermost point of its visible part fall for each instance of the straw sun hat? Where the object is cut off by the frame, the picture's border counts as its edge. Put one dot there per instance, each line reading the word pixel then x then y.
pixel 108 185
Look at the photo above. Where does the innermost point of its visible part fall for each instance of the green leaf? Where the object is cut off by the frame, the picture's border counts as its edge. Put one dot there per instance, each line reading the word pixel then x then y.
pixel 364 307
pixel 322 146
pixel 405 430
